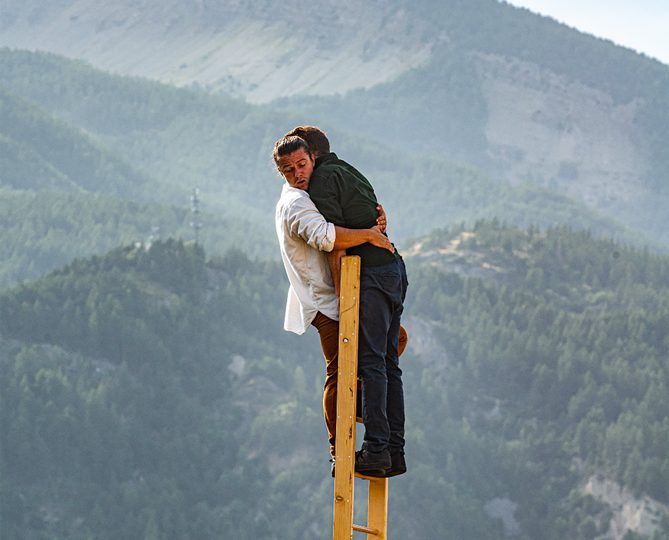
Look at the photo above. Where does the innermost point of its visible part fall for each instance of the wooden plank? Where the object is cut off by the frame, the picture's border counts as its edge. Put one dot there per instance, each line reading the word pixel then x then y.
pixel 377 506
pixel 349 306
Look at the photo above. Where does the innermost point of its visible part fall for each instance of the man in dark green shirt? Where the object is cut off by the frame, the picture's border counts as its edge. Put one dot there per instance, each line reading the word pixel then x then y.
pixel 346 198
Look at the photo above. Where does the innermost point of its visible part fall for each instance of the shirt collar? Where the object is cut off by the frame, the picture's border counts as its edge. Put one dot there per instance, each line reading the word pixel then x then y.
pixel 287 188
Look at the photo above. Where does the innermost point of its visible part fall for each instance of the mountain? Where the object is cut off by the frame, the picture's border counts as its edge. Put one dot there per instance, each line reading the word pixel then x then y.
pixel 136 396
pixel 549 349
pixel 67 192
pixel 37 148
pixel 142 147
pixel 481 82
pixel 150 392
pixel 235 47
pixel 527 99
pixel 64 195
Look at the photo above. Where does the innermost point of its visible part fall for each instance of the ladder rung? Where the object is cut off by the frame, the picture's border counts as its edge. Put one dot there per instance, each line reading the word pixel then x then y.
pixel 362 528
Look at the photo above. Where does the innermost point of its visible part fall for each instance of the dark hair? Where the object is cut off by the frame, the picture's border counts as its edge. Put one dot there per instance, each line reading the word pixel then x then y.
pixel 315 137
pixel 287 145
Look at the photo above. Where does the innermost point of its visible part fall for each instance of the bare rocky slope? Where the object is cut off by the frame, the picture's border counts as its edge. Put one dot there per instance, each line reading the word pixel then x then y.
pixel 543 127
pixel 260 50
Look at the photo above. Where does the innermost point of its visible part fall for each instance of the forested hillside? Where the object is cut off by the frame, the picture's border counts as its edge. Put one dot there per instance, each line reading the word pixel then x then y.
pixel 519 96
pixel 79 143
pixel 138 390
pixel 150 393
pixel 66 190
pixel 63 195
pixel 556 358
pixel 526 99
pixel 41 153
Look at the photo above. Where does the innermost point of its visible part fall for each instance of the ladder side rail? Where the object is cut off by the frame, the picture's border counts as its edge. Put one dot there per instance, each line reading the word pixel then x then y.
pixel 347 386
pixel 349 304
pixel 377 507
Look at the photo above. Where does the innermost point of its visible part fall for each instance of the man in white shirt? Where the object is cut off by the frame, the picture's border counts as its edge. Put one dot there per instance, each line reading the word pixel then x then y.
pixel 304 239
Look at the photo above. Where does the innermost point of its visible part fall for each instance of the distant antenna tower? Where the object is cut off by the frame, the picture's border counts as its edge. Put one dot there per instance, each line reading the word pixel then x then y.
pixel 196 224
pixel 153 237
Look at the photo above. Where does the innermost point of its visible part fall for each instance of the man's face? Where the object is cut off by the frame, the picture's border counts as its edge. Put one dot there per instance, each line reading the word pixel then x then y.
pixel 296 168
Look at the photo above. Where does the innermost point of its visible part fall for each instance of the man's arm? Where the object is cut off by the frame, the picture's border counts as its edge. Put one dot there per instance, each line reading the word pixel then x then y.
pixel 346 238
pixel 305 221
pixel 343 235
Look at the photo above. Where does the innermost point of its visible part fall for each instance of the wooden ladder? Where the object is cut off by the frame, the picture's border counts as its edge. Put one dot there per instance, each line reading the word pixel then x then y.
pixel 347 382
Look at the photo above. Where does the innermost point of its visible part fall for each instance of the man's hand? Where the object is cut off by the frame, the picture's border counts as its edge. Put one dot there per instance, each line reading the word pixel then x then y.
pixel 379 239
pixel 381 221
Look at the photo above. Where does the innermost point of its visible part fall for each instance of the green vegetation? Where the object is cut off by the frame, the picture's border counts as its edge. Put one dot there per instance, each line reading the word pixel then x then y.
pixel 151 394
pixel 557 361
pixel 620 73
pixel 490 26
pixel 396 112
pixel 120 412
pixel 49 154
pixel 42 230
pixel 66 193
pixel 440 108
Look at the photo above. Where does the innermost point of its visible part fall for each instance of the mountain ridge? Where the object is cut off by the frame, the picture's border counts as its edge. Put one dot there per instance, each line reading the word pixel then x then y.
pixel 180 139
pixel 402 34
pixel 512 93
pixel 233 47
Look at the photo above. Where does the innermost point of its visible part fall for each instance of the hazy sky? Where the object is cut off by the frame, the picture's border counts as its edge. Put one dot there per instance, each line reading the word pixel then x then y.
pixel 642 25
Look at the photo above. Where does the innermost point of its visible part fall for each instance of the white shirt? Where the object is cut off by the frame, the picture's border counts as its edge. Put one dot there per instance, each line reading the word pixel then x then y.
pixel 304 236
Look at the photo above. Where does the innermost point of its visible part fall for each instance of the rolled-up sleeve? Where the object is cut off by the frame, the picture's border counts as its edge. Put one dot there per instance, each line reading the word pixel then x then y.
pixel 305 221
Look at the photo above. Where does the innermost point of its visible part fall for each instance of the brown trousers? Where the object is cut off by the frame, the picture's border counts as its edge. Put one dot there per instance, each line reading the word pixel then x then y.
pixel 328 330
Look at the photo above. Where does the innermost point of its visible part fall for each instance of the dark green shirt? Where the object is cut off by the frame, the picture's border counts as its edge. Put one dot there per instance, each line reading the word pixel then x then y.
pixel 346 198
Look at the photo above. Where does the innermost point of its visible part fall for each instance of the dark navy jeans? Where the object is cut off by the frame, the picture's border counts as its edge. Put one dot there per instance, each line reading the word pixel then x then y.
pixel 382 292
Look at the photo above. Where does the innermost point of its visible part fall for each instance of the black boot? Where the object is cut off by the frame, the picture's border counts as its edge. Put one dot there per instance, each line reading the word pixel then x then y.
pixel 399 465
pixel 372 463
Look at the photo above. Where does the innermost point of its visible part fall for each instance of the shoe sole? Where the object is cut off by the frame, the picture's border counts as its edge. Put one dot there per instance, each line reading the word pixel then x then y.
pixel 373 467
pixel 375 473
